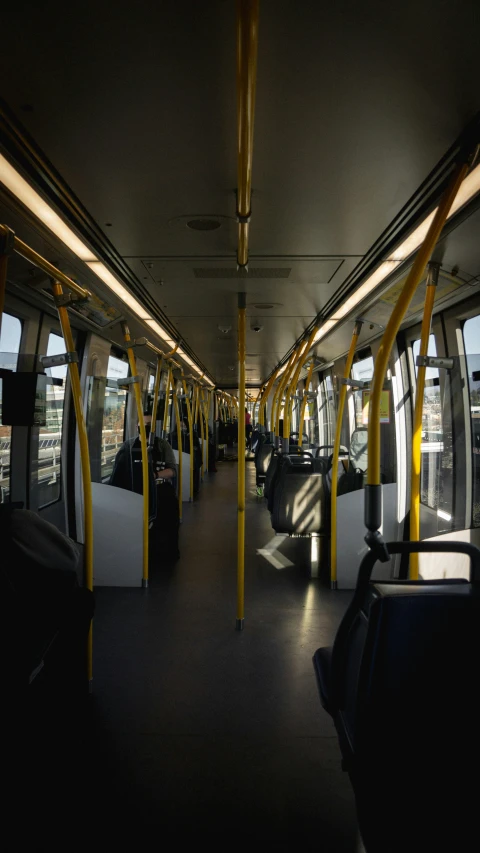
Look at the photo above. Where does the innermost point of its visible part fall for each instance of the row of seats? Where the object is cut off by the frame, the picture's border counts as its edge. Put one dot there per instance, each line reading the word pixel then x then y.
pixel 400 683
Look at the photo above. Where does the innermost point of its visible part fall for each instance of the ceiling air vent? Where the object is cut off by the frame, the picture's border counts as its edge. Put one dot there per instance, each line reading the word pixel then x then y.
pixel 231 272
pixel 204 224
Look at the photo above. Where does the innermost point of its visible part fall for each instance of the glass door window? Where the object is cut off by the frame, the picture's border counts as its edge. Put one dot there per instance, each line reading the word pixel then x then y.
pixel 113 427
pixel 10 338
pixel 48 470
pixel 471 339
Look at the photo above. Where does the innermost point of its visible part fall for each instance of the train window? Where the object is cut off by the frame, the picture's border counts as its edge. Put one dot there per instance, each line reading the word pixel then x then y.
pixel 433 459
pixel 362 371
pixel 151 383
pixel 471 338
pixel 113 427
pixel 326 411
pixel 48 473
pixel 10 337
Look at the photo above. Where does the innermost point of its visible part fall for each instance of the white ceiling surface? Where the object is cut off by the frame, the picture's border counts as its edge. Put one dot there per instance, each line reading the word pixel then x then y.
pixel 135 106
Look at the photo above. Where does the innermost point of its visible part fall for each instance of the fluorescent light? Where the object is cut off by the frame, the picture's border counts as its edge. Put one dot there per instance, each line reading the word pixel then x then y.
pixel 106 276
pixel 157 328
pixel 468 189
pixel 445 515
pixel 19 187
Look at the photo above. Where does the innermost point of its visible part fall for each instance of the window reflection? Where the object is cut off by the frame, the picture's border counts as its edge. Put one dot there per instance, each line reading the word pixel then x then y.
pixel 471 337
pixel 113 427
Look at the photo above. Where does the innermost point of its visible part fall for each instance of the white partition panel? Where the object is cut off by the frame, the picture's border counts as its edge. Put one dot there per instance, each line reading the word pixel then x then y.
pixel 117 536
pixel 185 475
pixel 351 547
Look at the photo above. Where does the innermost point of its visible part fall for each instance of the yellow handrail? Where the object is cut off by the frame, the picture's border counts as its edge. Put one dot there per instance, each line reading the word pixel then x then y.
pixel 202 432
pixel 167 396
pixel 336 453
pixel 293 384
pixel 3 283
pixel 156 392
pixel 305 396
pixel 432 279
pixel 180 455
pixel 247 48
pixel 190 430
pixel 143 445
pixel 373 497
pixel 242 302
pixel 84 458
pixel 278 395
pixel 265 396
pixel 290 388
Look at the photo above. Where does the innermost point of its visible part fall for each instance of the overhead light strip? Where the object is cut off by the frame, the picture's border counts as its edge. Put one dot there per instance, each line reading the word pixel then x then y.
pixel 469 188
pixel 20 188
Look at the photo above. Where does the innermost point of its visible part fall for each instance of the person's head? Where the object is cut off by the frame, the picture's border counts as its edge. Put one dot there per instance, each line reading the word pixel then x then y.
pixel 147 420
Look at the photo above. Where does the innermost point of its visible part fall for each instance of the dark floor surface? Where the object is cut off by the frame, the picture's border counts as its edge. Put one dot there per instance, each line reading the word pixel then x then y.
pixel 198 733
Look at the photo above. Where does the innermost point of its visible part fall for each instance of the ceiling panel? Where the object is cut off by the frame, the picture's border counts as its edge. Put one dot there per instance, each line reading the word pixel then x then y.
pixel 355 105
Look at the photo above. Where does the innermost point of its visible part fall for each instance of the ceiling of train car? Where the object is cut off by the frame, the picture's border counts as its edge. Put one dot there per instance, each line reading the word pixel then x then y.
pixel 135 106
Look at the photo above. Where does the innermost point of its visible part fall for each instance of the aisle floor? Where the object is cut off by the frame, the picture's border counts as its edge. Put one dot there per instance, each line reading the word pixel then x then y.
pixel 206 732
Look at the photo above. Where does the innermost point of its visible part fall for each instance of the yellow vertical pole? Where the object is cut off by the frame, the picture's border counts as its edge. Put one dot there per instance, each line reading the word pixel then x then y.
pixel 180 455
pixel 303 355
pixel 143 445
pixel 277 397
pixel 84 458
pixel 202 431
pixel 242 304
pixel 3 283
pixel 156 391
pixel 336 452
pixel 305 397
pixel 264 399
pixel 190 430
pixel 432 279
pixel 167 397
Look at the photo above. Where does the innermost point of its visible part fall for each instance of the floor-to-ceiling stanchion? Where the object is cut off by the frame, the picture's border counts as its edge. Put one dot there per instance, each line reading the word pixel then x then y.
pixel 190 430
pixel 176 409
pixel 6 247
pixel 74 375
pixel 432 280
pixel 242 304
pixel 156 392
pixel 305 397
pixel 167 398
pixel 134 379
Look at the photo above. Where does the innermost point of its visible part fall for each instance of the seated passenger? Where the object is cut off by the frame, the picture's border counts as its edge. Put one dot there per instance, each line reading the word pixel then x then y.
pixel 127 474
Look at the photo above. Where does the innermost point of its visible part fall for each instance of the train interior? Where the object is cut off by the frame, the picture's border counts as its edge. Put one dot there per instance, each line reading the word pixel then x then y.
pixel 118 172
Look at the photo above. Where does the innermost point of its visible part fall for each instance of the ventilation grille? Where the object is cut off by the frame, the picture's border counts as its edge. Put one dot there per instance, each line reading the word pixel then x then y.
pixel 253 272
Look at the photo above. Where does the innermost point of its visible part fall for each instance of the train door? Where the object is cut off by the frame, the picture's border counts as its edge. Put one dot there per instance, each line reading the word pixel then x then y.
pixel 450 472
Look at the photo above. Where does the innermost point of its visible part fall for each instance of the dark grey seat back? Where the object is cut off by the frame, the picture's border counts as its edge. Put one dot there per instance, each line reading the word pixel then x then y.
pixel 299 505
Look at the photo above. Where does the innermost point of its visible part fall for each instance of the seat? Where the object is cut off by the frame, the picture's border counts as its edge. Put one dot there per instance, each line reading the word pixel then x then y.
pixel 400 683
pixel 46 613
pixel 298 499
pixel 353 478
pixel 263 453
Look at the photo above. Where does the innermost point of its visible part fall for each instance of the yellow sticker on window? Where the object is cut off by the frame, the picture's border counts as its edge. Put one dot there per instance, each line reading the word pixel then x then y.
pixel 384 407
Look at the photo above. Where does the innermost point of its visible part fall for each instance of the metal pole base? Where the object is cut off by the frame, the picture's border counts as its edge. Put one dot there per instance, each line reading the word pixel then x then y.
pixel 333 585
pixel 239 624
pixel 144 583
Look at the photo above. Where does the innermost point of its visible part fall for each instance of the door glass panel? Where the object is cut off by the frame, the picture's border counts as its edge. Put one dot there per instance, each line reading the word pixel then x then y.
pixel 432 446
pixel 471 337
pixel 10 338
pixel 113 427
pixel 48 471
pixel 361 371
